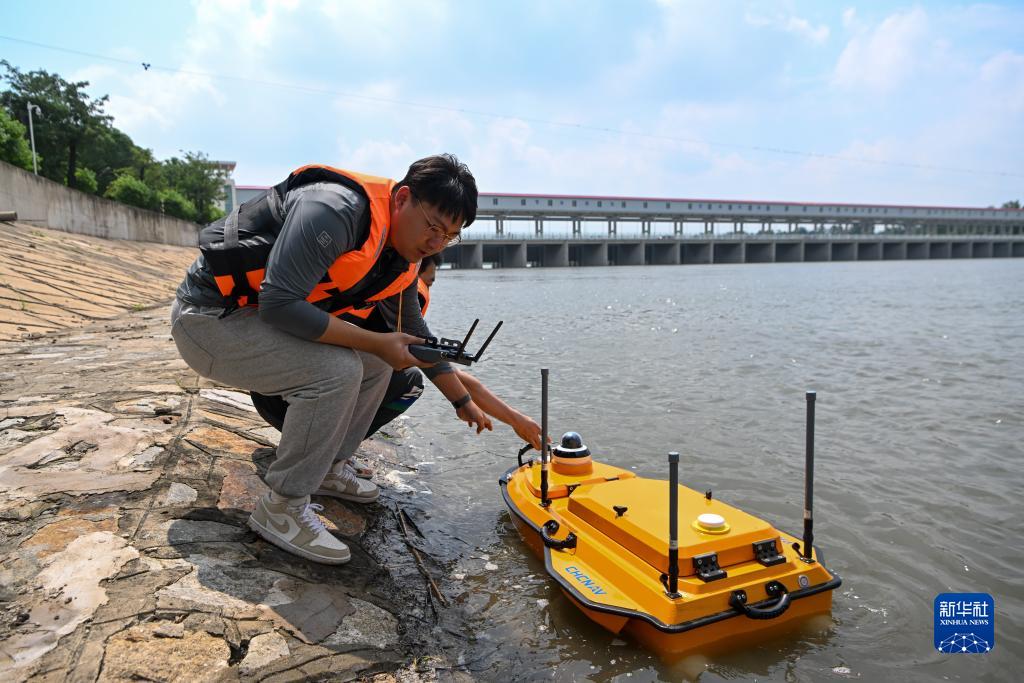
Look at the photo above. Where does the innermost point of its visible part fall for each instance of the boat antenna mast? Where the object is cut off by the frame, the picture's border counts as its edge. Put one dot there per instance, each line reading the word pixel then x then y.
pixel 806 549
pixel 672 583
pixel 545 451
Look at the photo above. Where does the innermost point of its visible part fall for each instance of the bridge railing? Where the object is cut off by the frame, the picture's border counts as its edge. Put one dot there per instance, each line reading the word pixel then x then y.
pixel 469 237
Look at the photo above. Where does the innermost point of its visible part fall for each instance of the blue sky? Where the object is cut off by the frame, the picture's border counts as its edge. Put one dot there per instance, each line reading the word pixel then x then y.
pixel 869 101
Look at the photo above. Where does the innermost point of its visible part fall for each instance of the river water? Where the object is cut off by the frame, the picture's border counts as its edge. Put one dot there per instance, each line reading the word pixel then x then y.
pixel 919 369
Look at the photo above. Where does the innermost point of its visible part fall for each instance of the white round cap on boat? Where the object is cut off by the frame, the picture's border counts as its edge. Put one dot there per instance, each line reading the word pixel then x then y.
pixel 711 521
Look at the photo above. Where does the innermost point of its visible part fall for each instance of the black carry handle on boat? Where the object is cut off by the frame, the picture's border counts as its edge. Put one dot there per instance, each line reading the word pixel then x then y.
pixel 547 533
pixel 738 601
pixel 435 350
pixel 522 452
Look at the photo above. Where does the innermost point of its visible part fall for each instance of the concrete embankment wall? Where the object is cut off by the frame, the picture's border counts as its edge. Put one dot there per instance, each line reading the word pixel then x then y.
pixel 42 202
pixel 52 280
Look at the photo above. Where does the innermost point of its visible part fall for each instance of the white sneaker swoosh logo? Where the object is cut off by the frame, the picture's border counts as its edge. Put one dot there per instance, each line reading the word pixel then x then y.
pixel 283 525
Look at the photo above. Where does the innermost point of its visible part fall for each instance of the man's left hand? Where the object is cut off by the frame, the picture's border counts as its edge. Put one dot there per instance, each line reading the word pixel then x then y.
pixel 473 416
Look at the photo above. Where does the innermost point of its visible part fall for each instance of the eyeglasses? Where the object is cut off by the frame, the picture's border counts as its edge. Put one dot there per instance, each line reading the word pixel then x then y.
pixel 437 231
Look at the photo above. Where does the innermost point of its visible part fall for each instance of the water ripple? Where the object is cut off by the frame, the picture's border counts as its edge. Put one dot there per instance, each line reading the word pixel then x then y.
pixel 920 441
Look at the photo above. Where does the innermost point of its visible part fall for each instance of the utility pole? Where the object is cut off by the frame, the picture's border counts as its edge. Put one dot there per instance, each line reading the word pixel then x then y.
pixel 32 135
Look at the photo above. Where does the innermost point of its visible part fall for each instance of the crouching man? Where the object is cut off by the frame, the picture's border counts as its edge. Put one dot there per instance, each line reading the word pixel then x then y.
pixel 260 309
pixel 406 385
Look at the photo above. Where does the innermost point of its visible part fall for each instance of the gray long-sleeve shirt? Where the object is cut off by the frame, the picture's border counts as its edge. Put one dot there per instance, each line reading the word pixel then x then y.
pixel 322 222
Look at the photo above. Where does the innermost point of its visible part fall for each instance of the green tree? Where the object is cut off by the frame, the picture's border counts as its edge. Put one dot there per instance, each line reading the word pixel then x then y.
pixel 70 117
pixel 200 180
pixel 14 147
pixel 212 214
pixel 147 168
pixel 173 203
pixel 1012 204
pixel 128 189
pixel 73 133
pixel 85 180
pixel 107 151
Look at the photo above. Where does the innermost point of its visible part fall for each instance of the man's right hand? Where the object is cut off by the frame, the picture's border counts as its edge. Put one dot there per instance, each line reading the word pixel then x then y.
pixel 393 348
pixel 526 429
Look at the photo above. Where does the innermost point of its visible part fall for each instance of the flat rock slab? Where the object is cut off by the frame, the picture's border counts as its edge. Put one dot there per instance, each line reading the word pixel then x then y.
pixel 85 454
pixel 241 486
pixel 177 494
pixel 222 443
pixel 143 653
pixel 180 531
pixel 263 649
pixel 367 626
pixel 57 536
pixel 309 611
pixel 71 592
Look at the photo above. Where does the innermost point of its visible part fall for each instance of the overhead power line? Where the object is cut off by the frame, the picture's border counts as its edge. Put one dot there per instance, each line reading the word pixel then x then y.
pixel 148 66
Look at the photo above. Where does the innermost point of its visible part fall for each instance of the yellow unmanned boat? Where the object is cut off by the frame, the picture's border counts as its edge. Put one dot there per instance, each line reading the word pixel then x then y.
pixel 675 569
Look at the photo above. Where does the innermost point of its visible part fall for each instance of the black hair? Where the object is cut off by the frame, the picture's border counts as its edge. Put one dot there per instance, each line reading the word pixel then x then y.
pixel 433 258
pixel 444 182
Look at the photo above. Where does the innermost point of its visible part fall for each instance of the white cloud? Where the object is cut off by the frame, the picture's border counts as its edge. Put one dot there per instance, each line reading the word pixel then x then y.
pixel 385 158
pixel 884 58
pixel 790 24
pixel 1003 75
pixel 158 99
pixel 683 28
pixel 816 34
pixel 366 96
pixel 93 73
pixel 849 17
pixel 245 39
pixel 369 22
pixel 954 104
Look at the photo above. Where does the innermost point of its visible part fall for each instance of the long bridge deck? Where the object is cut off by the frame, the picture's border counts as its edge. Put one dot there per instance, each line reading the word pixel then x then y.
pixel 576 211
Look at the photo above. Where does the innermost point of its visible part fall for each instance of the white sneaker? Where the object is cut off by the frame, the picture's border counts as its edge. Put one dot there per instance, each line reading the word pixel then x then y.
pixel 342 482
pixel 296 528
pixel 360 470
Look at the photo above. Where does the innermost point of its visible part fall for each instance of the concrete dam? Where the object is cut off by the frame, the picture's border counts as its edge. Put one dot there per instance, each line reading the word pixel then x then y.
pixel 768 248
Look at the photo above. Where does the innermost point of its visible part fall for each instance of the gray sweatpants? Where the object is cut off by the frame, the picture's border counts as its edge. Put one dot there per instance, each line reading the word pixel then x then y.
pixel 332 392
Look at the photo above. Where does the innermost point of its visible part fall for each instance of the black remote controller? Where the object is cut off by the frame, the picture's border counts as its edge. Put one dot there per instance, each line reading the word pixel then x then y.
pixel 427 354
pixel 434 350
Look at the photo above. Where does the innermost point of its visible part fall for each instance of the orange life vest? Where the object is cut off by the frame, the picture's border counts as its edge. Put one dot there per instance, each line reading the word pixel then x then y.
pixel 423 292
pixel 236 247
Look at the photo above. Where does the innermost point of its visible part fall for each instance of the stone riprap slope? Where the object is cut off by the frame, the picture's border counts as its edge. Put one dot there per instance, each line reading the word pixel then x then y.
pixel 125 483
pixel 52 280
